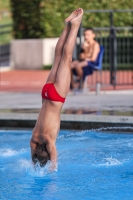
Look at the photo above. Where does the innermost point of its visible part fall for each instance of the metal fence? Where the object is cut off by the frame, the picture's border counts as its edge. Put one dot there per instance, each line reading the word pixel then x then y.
pixel 118 56
pixel 5 38
pixel 117 41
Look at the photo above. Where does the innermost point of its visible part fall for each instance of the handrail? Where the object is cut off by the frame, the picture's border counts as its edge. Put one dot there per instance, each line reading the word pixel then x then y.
pixel 108 11
pixel 114 27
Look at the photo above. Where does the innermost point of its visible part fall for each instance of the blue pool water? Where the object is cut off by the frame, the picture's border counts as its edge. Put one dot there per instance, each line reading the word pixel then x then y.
pixel 93 165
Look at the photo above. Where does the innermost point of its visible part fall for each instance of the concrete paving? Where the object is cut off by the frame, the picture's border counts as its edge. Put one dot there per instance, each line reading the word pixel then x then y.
pixel 21 110
pixel 111 100
pixel 68 121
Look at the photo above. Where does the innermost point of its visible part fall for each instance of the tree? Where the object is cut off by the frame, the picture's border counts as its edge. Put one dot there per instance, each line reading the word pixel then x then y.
pixel 45 18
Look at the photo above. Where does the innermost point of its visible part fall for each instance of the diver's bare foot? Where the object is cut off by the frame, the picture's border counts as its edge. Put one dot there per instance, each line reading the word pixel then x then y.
pixel 71 16
pixel 77 20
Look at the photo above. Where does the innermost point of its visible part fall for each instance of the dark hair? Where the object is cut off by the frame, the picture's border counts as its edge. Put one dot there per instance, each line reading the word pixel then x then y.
pixel 40 155
pixel 89 29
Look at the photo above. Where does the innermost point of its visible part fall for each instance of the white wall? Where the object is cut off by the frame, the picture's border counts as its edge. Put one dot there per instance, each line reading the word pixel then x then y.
pixel 49 50
pixel 32 53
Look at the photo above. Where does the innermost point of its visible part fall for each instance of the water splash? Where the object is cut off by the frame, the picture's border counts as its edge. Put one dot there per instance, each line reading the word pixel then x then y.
pixel 36 170
pixel 5 152
pixel 111 162
pixel 74 134
pixel 80 133
pixel 126 128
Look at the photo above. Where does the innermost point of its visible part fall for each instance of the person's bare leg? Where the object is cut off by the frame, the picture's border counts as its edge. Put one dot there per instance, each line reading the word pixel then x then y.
pixel 62 83
pixel 78 65
pixel 72 80
pixel 79 71
pixel 59 48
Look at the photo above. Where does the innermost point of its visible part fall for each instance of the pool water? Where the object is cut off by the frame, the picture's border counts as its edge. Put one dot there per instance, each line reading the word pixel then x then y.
pixel 92 165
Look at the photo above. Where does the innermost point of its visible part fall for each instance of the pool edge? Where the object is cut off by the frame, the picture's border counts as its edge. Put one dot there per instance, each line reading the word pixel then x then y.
pixel 68 121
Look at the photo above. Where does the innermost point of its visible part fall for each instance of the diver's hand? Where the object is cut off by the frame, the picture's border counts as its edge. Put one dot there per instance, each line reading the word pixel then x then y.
pixel 53 166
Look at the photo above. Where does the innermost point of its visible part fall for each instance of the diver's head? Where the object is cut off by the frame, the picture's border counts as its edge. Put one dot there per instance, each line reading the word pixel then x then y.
pixel 40 155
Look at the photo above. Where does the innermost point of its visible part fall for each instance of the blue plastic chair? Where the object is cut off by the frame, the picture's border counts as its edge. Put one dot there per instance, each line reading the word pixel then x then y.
pixel 97 65
pixel 100 59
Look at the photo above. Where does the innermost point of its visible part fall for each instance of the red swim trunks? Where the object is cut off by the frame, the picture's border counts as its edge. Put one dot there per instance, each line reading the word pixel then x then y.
pixel 49 92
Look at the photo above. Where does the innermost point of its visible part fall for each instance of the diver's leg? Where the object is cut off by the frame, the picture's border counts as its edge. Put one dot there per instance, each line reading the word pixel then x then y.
pixel 63 78
pixel 58 54
pixel 59 48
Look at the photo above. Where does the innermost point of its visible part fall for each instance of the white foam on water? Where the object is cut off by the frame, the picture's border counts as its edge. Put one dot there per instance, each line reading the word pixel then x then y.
pixel 5 152
pixel 36 170
pixel 111 162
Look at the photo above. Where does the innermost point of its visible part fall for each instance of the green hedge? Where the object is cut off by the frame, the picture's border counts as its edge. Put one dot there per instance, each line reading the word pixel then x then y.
pixel 27 16
pixel 44 18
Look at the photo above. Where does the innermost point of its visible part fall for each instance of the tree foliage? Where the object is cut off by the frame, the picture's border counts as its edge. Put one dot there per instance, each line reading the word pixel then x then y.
pixel 27 17
pixel 45 18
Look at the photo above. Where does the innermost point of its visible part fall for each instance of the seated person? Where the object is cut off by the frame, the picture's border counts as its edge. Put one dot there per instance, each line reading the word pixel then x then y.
pixel 89 53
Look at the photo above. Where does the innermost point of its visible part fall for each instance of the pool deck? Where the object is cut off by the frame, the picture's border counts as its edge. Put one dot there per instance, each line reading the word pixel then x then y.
pixel 20 102
pixel 20 110
pixel 68 121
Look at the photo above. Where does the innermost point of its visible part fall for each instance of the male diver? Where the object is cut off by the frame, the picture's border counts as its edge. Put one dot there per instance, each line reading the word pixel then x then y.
pixel 54 92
